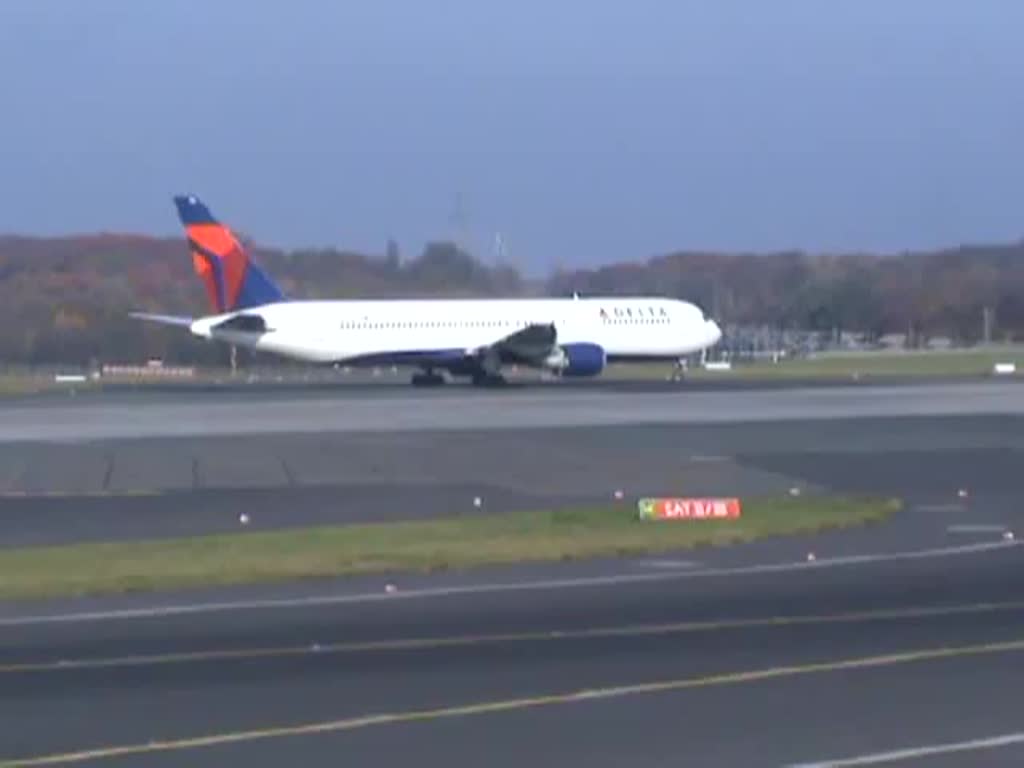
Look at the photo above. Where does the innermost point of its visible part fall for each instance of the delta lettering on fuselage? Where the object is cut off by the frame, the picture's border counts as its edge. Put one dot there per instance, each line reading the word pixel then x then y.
pixel 631 313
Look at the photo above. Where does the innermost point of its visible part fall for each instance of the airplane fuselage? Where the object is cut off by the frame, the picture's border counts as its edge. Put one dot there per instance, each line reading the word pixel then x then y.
pixel 409 331
pixel 463 337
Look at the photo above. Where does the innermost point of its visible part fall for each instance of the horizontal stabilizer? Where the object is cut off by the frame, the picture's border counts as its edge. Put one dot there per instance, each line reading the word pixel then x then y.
pixel 178 320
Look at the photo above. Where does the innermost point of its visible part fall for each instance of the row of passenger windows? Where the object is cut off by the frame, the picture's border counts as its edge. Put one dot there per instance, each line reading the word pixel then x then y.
pixel 363 324
pixel 638 321
pixel 409 324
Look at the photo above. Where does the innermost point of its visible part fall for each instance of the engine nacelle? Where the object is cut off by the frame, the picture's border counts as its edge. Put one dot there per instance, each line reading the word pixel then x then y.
pixel 578 359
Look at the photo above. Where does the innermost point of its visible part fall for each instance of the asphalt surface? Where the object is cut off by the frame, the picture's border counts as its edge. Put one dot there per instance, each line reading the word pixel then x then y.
pixel 53 493
pixel 898 637
pixel 64 489
pixel 721 668
pixel 405 410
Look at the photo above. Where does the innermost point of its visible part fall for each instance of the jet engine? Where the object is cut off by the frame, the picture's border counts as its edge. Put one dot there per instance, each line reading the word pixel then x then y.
pixel 580 359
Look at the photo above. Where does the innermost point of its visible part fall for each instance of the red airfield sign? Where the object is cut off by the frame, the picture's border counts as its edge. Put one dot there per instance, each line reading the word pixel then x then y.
pixel 689 509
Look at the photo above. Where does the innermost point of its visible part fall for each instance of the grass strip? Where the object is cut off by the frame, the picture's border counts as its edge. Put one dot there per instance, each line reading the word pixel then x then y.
pixel 450 543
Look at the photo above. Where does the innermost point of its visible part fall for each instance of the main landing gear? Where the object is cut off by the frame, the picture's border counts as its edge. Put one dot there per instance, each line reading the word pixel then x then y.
pixel 427 378
pixel 484 379
pixel 679 369
pixel 430 378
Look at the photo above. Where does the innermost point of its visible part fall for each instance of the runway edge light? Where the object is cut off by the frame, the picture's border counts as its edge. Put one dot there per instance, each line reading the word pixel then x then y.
pixel 689 508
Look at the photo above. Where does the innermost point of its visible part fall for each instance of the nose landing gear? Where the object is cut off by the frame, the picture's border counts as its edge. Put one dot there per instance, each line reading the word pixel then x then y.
pixel 678 370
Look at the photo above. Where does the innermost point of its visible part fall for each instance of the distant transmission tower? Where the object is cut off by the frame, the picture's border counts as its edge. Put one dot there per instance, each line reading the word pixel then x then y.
pixel 459 223
pixel 499 250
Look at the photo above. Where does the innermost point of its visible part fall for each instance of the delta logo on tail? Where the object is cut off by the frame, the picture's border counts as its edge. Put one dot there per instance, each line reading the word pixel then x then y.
pixel 231 278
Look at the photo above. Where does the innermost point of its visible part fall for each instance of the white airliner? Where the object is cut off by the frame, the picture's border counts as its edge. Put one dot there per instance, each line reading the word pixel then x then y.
pixel 474 338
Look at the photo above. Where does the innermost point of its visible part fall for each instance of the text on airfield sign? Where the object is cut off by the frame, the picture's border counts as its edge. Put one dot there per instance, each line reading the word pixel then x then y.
pixel 689 509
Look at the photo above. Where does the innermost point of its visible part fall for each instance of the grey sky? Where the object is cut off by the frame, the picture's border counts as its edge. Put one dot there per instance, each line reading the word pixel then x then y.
pixel 584 130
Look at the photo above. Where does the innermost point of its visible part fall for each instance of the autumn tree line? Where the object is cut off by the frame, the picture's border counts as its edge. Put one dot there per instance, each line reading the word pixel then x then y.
pixel 66 300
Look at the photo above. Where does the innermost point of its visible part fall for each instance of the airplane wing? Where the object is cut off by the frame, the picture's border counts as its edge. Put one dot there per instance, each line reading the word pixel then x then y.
pixel 529 345
pixel 178 320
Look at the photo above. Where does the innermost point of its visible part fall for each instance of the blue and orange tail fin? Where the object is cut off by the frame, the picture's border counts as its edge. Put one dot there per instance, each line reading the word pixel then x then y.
pixel 231 278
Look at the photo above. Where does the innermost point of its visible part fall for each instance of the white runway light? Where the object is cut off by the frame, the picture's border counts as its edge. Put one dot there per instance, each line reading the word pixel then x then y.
pixel 794 491
pixel 390 588
pixel 243 519
pixel 619 495
pixel 810 557
pixel 477 501
pixel 1008 535
pixel 962 493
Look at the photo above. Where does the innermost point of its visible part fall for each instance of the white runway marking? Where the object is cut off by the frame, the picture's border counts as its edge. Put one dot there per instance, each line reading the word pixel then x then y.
pixel 668 564
pixel 939 508
pixel 916 753
pixel 162 611
pixel 977 528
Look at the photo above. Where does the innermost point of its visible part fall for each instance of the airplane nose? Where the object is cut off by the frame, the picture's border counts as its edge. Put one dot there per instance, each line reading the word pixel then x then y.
pixel 714 332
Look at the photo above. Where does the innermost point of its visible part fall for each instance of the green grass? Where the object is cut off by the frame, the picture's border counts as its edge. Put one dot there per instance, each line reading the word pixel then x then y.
pixel 451 543
pixel 20 384
pixel 833 366
pixel 848 365
pixel 13 385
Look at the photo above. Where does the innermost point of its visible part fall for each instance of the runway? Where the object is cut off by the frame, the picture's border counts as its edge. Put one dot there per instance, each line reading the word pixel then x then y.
pixel 389 410
pixel 905 639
